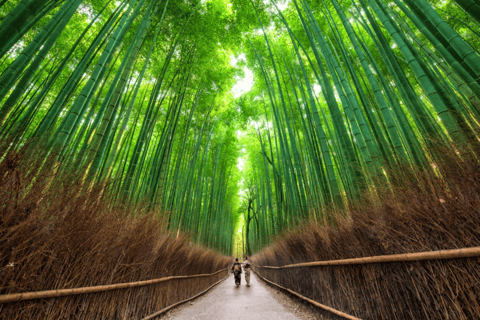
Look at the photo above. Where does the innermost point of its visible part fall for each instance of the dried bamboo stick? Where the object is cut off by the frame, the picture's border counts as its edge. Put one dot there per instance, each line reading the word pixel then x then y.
pixel 15 297
pixel 418 256
pixel 338 313
pixel 156 314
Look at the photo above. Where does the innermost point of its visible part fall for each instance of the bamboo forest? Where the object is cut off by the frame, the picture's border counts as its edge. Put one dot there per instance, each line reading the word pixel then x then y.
pixel 143 139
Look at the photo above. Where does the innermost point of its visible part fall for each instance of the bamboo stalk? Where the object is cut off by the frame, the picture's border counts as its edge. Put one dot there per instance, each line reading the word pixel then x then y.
pixel 418 256
pixel 338 313
pixel 15 297
pixel 156 314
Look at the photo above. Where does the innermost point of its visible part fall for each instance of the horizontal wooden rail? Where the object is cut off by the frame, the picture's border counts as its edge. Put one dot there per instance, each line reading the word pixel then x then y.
pixel 431 255
pixel 156 314
pixel 338 313
pixel 15 297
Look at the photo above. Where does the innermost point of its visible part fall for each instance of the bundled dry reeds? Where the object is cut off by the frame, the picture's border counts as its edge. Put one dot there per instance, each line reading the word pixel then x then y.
pixel 56 235
pixel 428 213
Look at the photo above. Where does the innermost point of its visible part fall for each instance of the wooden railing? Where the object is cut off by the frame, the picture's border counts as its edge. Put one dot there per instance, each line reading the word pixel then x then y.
pixel 418 256
pixel 15 297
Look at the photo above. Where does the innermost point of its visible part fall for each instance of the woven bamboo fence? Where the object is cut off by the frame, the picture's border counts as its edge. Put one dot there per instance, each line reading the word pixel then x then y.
pixel 418 256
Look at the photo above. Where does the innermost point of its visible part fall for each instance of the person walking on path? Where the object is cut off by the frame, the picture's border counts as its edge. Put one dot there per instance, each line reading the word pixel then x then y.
pixel 237 271
pixel 246 267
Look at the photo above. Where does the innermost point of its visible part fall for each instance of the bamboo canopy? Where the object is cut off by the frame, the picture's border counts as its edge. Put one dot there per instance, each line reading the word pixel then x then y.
pixel 345 93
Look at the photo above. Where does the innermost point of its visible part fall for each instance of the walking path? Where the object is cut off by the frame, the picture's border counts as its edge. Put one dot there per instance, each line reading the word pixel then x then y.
pixel 225 301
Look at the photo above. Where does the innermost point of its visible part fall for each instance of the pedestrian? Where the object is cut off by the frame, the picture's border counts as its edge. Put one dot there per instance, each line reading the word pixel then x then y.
pixel 246 267
pixel 237 271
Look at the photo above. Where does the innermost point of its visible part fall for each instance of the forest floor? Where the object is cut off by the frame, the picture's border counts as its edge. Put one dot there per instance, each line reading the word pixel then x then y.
pixel 257 302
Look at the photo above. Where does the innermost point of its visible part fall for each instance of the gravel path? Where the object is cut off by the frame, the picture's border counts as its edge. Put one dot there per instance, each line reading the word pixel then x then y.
pixel 257 302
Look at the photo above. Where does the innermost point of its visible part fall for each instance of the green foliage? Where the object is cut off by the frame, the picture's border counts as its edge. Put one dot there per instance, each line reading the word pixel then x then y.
pixel 139 93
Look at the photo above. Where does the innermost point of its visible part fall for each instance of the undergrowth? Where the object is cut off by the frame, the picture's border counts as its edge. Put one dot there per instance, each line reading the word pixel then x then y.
pixel 424 212
pixel 55 234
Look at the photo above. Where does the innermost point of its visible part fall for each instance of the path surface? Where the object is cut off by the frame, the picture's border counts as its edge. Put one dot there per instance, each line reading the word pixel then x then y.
pixel 225 301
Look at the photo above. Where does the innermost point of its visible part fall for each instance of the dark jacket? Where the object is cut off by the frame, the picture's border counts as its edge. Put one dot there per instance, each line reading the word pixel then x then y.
pixel 239 264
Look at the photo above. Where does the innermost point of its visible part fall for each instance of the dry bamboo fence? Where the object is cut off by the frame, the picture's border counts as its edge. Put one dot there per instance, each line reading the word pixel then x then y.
pixel 418 256
pixel 315 303
pixel 16 297
pixel 55 242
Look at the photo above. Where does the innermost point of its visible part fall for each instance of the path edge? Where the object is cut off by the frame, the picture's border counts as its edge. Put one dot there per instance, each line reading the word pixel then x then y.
pixel 158 313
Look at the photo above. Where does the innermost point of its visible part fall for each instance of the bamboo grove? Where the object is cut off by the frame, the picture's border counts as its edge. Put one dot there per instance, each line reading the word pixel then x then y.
pixel 137 93
pixel 121 92
pixel 354 91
